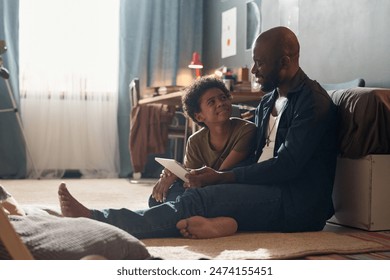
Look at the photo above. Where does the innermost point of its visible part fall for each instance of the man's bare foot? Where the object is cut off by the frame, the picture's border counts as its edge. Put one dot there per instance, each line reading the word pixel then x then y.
pixel 70 207
pixel 198 227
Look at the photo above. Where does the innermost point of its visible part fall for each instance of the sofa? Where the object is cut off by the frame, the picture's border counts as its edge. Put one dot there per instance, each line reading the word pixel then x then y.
pixel 362 184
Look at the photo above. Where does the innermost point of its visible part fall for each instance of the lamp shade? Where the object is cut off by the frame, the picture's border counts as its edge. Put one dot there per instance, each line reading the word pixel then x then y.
pixel 195 62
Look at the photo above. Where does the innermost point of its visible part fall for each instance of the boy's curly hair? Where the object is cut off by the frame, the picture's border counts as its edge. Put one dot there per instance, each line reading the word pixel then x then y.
pixel 194 92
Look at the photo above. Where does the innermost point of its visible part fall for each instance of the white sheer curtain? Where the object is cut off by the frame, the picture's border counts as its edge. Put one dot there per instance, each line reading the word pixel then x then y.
pixel 69 55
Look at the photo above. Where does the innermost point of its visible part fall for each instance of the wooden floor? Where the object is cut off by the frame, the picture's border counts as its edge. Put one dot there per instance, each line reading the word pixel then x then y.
pixel 341 229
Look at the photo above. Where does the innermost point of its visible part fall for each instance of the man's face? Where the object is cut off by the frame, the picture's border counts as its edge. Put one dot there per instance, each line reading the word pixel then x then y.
pixel 265 67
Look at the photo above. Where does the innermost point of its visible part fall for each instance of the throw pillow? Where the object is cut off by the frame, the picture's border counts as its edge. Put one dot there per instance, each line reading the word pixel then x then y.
pixel 56 238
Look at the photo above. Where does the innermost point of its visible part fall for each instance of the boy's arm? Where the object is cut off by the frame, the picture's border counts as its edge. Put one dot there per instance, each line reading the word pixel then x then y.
pixel 242 149
pixel 233 159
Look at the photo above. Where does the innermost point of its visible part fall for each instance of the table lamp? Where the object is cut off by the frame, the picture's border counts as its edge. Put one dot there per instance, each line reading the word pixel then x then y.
pixel 196 64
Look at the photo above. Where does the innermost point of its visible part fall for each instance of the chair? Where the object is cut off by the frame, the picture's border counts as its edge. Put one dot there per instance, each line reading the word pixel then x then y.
pixel 345 85
pixel 177 130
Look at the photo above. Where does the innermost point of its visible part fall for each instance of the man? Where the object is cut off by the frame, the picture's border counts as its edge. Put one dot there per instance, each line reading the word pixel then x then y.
pixel 287 190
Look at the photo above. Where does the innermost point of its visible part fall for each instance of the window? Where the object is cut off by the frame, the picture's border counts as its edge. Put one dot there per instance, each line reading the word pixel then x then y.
pixel 69 45
pixel 69 55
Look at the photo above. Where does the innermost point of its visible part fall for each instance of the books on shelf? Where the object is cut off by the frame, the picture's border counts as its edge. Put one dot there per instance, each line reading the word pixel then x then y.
pixel 168 89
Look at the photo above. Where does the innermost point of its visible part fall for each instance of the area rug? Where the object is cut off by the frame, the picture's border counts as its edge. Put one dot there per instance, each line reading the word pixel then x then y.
pixel 382 237
pixel 265 246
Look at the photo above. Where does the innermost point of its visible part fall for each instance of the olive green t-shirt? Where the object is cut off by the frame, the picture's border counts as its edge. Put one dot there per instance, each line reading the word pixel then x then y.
pixel 199 152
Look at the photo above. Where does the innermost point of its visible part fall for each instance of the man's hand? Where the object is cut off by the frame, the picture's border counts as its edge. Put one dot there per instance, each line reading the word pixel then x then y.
pixel 206 176
pixel 161 188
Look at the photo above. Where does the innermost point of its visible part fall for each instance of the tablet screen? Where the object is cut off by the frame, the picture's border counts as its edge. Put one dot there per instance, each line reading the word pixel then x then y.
pixel 175 167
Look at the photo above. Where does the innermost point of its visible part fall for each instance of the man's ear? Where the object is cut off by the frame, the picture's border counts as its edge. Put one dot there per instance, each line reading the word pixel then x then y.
pixel 285 60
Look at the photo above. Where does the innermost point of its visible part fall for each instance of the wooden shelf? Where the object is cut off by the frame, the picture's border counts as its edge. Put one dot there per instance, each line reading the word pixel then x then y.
pixel 246 96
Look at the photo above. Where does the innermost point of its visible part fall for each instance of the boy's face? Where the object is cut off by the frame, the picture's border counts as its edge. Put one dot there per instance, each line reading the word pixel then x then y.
pixel 215 107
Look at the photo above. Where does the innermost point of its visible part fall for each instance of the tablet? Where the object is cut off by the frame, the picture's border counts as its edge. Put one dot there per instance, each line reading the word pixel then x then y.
pixel 175 167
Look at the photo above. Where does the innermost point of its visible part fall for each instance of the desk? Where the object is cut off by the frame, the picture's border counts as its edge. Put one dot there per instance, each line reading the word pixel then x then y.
pixel 174 98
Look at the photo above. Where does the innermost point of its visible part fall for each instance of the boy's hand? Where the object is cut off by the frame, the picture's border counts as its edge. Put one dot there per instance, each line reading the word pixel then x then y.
pixel 161 188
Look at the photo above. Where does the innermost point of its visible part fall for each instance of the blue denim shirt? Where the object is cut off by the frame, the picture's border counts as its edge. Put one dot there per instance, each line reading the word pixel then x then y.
pixel 305 152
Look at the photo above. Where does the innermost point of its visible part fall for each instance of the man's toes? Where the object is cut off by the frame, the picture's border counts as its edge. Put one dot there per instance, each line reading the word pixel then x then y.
pixel 182 224
pixel 62 189
pixel 184 233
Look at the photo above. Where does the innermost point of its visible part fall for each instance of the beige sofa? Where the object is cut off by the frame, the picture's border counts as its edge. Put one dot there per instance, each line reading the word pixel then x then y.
pixel 362 184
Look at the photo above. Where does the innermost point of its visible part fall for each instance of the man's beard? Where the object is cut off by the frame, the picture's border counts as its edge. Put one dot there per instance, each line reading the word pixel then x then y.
pixel 267 86
pixel 270 82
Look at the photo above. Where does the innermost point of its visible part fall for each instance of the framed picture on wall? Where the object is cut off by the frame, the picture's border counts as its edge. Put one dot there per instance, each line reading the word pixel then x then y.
pixel 229 33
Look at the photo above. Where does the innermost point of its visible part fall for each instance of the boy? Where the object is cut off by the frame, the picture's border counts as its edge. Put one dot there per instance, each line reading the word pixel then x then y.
pixel 222 143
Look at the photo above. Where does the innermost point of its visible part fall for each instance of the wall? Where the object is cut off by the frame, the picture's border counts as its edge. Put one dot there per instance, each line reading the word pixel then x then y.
pixel 340 40
pixel 212 27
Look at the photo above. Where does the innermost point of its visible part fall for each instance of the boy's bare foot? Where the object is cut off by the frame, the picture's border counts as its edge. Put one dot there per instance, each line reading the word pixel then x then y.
pixel 70 207
pixel 198 227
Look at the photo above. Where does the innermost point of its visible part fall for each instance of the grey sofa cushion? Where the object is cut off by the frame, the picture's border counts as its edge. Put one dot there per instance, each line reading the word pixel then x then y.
pixel 56 238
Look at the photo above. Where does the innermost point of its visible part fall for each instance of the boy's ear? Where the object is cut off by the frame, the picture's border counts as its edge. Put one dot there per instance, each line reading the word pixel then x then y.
pixel 199 117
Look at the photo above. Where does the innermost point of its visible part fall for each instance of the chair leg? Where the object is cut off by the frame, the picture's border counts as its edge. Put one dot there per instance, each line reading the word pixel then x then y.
pixel 11 240
pixel 175 148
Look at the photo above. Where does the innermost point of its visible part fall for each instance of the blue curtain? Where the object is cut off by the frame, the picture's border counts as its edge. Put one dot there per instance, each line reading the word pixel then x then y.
pixel 157 39
pixel 12 146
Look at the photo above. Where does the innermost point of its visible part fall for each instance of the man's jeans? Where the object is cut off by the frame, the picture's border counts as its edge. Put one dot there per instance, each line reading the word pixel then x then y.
pixel 253 207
